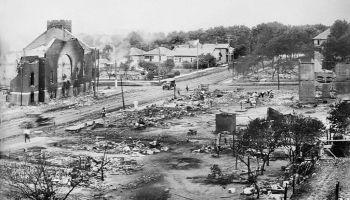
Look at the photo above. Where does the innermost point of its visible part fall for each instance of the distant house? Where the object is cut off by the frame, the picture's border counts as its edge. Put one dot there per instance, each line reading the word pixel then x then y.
pixel 103 63
pixel 159 54
pixel 136 54
pixel 318 41
pixel 321 38
pixel 189 53
pixel 182 53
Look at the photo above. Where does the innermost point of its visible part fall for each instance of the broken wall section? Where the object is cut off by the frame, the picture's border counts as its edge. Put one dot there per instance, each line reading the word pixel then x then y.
pixel 307 82
pixel 342 80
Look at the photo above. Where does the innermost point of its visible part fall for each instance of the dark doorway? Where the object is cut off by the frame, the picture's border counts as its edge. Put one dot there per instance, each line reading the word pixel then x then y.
pixel 42 78
pixel 32 98
pixel 32 78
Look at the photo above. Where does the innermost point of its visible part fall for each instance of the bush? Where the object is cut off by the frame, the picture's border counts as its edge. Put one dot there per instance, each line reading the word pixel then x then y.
pixel 149 76
pixel 177 73
pixel 187 65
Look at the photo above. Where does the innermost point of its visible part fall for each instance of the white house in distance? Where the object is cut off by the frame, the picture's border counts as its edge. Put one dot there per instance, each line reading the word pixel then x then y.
pixel 318 41
pixel 136 54
pixel 159 54
pixel 189 53
pixel 185 52
pixel 321 38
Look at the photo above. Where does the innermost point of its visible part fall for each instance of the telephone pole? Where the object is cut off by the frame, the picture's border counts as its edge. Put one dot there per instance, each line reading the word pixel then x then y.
pixel 197 54
pixel 230 54
pixel 159 63
pixel 98 67
pixel 121 84
pixel 94 85
pixel 229 39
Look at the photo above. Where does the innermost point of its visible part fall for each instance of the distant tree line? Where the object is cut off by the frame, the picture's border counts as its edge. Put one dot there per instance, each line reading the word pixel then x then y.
pixel 273 43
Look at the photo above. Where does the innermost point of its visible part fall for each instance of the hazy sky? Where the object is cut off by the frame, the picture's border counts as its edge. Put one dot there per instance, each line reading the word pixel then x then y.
pixel 23 20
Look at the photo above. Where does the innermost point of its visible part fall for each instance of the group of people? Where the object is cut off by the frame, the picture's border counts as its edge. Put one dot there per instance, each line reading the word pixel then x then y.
pixel 253 98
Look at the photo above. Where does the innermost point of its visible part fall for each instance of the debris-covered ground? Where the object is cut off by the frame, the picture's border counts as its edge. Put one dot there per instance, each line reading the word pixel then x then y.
pixel 165 146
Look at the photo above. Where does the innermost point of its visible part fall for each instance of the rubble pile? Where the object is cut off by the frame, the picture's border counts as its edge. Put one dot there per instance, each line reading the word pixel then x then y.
pixel 71 102
pixel 135 148
pixel 60 176
pixel 143 180
pixel 154 116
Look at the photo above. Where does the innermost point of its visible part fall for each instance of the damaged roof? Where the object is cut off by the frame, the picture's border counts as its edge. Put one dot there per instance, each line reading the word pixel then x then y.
pixel 44 40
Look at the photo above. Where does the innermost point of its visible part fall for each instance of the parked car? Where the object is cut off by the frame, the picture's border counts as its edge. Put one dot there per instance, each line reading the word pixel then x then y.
pixel 168 85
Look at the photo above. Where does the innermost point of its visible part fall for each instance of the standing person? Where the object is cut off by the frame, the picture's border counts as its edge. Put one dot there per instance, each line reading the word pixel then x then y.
pixel 178 91
pixel 26 133
pixel 103 113
pixel 187 88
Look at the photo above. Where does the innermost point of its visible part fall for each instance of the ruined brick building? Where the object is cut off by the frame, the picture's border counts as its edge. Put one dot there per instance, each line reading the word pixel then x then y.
pixel 317 83
pixel 55 64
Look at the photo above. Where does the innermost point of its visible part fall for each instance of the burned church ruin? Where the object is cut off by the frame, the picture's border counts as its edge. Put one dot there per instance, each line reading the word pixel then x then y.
pixel 56 64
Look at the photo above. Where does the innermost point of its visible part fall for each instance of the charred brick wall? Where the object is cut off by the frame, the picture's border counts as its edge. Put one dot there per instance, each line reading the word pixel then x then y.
pixel 22 82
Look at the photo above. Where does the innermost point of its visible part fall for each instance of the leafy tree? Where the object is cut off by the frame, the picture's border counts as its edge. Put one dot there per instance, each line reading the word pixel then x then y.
pixel 337 47
pixel 241 148
pixel 339 117
pixel 135 40
pixel 106 51
pixel 166 66
pixel 298 130
pixel 110 69
pixel 35 181
pixel 175 38
pixel 125 66
pixel 187 65
pixel 246 64
pixel 264 138
pixel 205 61
pixel 150 68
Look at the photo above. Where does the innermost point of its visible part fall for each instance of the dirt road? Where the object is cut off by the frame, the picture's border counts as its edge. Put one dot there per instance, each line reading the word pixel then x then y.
pixel 143 95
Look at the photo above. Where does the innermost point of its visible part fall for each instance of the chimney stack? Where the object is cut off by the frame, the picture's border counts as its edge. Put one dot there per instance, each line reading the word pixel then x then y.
pixel 62 24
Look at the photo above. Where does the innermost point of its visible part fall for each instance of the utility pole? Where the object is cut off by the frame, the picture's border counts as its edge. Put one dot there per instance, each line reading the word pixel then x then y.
pixel 121 84
pixel 159 63
pixel 229 58
pixel 21 83
pixel 197 54
pixel 98 67
pixel 229 39
pixel 278 73
pixel 115 68
pixel 285 192
pixel 94 86
pixel 337 190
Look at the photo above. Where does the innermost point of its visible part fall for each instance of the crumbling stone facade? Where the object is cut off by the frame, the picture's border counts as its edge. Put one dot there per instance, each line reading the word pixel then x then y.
pixel 342 80
pixel 55 65
pixel 306 82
